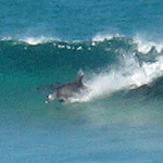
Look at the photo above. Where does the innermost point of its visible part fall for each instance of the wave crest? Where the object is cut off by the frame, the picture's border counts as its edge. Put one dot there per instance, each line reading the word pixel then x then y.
pixel 137 43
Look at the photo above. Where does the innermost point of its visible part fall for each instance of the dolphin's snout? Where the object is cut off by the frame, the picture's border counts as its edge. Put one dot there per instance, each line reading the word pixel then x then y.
pixel 47 101
pixel 51 97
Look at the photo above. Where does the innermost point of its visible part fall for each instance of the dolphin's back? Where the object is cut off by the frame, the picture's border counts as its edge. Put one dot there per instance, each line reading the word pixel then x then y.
pixel 67 91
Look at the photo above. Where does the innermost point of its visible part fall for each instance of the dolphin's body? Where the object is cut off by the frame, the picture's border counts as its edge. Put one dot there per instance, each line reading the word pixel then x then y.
pixel 64 92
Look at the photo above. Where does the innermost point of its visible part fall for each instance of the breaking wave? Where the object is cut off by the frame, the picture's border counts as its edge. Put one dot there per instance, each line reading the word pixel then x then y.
pixel 113 62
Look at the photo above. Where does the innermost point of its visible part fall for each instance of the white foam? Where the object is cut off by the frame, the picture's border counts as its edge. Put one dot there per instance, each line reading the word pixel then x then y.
pixel 129 76
pixel 6 39
pixel 61 46
pixel 102 37
pixel 68 47
pixel 37 40
pixel 145 45
pixel 79 48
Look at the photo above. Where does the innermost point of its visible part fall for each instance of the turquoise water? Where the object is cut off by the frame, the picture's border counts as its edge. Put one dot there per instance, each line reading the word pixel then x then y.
pixel 117 45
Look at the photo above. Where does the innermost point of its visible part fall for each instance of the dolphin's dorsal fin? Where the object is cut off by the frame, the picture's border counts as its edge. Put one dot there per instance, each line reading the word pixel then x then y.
pixel 79 80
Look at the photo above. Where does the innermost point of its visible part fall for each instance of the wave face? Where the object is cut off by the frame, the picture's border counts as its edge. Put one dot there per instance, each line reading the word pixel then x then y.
pixel 110 64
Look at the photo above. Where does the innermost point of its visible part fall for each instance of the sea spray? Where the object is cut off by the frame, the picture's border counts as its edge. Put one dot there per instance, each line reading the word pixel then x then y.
pixel 129 74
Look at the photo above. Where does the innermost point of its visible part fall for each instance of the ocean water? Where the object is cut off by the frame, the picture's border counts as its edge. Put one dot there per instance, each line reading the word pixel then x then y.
pixel 117 45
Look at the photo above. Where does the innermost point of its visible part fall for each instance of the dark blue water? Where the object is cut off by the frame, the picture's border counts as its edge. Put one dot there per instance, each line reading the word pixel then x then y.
pixel 117 45
pixel 80 20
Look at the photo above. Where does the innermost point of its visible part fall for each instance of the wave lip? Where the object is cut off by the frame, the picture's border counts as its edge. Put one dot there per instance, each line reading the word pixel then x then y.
pixel 6 39
pixel 37 40
pixel 145 46
pixel 140 44
pixel 31 40
pixel 101 37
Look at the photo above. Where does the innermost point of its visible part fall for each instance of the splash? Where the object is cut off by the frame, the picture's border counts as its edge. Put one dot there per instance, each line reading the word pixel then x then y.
pixel 129 75
pixel 145 46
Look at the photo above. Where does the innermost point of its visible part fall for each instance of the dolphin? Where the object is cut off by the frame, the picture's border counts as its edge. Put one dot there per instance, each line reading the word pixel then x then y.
pixel 63 92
